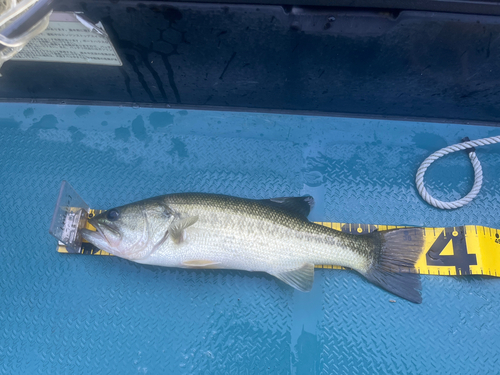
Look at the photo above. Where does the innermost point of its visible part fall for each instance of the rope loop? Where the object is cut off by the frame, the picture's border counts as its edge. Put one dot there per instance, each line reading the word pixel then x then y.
pixel 478 172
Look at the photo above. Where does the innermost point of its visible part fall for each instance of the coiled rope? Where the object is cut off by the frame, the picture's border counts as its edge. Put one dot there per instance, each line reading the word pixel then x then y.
pixel 478 172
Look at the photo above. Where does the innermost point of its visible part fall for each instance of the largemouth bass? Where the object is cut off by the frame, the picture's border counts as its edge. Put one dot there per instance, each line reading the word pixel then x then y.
pixel 194 230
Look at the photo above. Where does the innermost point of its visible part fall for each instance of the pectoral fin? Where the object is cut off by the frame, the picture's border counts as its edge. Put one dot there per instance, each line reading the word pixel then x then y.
pixel 301 278
pixel 199 263
pixel 176 229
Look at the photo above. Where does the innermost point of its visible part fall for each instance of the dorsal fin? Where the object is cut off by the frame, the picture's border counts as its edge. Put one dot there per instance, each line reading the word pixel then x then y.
pixel 295 205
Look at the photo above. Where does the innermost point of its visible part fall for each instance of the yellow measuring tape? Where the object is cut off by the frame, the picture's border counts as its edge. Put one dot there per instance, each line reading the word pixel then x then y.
pixel 463 250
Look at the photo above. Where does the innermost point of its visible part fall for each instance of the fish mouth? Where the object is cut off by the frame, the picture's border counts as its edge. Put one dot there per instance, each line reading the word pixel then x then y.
pixel 100 232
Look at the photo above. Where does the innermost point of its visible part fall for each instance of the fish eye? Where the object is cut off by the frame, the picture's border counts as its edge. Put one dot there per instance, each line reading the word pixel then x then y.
pixel 113 214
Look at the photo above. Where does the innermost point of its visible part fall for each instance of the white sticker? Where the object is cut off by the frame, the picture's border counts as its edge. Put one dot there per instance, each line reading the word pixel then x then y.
pixel 70 40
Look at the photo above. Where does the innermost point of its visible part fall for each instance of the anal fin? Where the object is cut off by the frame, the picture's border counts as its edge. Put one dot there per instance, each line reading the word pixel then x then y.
pixel 301 278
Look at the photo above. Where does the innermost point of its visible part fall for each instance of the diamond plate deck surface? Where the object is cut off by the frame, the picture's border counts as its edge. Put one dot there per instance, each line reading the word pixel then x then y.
pixel 62 314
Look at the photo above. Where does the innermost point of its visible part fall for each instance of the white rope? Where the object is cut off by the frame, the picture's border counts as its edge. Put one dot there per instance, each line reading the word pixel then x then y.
pixel 478 172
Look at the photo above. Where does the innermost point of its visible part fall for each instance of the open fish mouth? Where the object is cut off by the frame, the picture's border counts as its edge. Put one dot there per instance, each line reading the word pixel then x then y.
pixel 99 233
pixel 95 237
pixel 99 230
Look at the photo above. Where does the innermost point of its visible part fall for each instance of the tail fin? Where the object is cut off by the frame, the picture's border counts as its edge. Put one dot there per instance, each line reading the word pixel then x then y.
pixel 396 250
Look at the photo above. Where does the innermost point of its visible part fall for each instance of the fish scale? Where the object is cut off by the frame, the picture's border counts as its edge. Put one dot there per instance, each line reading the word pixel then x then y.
pixel 253 244
pixel 263 238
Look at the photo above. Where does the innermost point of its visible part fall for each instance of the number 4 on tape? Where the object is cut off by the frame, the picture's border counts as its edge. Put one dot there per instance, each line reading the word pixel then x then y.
pixel 460 259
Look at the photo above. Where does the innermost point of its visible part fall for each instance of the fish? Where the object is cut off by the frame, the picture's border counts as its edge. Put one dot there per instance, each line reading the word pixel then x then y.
pixel 212 231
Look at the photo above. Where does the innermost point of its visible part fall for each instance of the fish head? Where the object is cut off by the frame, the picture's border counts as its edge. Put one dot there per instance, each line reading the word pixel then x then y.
pixel 130 231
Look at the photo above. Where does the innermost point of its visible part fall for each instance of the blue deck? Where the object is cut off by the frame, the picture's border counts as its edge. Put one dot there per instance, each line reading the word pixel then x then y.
pixel 62 314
